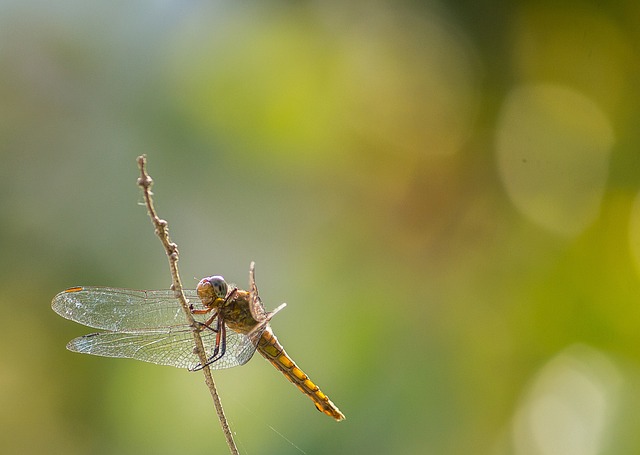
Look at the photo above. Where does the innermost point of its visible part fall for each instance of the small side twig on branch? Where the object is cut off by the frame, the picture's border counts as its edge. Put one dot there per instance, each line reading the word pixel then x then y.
pixel 161 228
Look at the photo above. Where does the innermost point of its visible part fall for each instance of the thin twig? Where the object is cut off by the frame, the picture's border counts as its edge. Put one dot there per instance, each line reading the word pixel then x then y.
pixel 171 249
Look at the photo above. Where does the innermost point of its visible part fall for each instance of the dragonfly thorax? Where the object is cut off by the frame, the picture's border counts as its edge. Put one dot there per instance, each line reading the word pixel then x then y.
pixel 211 289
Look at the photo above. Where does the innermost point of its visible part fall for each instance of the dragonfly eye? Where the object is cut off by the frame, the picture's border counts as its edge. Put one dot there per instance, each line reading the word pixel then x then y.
pixel 211 289
pixel 219 286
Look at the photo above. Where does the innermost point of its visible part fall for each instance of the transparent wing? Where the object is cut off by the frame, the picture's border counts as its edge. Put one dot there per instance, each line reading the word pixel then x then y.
pixel 255 305
pixel 173 347
pixel 123 310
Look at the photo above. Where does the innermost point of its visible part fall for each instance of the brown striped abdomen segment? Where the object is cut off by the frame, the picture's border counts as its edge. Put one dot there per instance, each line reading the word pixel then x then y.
pixel 273 351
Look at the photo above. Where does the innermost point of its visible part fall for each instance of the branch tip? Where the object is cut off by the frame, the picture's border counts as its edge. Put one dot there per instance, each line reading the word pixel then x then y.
pixel 142 160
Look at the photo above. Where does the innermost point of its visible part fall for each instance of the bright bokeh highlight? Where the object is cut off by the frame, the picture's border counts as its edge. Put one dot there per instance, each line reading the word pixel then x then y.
pixel 553 147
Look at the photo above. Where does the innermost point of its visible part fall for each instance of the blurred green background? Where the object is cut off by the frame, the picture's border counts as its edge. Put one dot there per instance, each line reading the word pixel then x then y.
pixel 445 194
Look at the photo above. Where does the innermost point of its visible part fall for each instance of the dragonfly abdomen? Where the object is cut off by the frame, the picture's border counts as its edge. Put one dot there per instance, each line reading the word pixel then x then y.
pixel 273 351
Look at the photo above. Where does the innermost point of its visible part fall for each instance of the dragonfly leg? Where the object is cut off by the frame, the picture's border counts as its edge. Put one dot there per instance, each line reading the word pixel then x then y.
pixel 231 294
pixel 221 344
pixel 203 311
pixel 220 330
pixel 207 324
pixel 210 320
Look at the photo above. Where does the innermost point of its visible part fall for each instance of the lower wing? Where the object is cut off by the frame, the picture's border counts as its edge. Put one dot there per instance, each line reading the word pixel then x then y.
pixel 165 347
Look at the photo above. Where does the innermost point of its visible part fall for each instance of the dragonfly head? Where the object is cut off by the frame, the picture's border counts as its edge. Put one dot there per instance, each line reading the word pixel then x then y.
pixel 211 289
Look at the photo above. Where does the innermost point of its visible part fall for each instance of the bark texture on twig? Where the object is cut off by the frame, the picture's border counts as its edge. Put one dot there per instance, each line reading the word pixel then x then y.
pixel 161 228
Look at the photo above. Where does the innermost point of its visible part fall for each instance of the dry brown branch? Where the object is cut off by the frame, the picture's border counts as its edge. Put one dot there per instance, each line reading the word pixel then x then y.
pixel 171 249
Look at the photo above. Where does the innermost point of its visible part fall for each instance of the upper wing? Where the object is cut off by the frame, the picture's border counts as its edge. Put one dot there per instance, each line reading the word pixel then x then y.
pixel 255 305
pixel 173 347
pixel 123 310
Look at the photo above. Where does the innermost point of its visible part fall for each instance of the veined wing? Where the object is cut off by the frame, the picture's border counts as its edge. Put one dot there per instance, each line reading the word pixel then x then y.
pixel 255 304
pixel 123 310
pixel 173 347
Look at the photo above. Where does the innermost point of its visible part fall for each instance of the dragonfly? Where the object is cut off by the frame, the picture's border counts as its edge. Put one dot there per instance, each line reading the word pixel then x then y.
pixel 151 326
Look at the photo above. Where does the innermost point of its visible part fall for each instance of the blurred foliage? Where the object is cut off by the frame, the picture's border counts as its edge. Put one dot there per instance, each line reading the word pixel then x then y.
pixel 446 194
